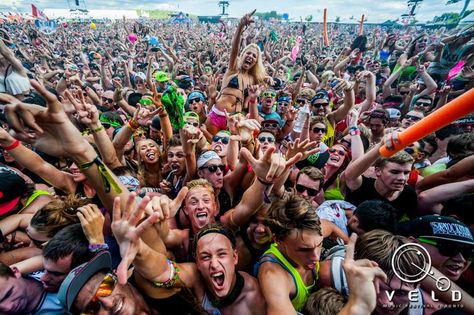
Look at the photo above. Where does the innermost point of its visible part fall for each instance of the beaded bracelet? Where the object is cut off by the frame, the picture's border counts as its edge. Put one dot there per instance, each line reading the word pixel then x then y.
pixel 173 277
pixel 12 146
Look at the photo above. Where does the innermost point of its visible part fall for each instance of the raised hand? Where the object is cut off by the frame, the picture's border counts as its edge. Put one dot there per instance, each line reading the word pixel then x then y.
pixel 271 165
pixel 127 231
pixel 363 278
pixel 247 18
pixel 92 222
pixel 166 208
pixel 48 129
pixel 305 147
pixel 245 129
pixel 87 114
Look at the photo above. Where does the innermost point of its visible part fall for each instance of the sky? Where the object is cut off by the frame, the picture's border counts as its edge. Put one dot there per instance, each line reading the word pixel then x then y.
pixel 374 10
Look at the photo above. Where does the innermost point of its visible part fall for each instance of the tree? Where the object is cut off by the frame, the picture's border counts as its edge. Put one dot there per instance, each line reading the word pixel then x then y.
pixel 309 18
pixel 463 11
pixel 268 15
pixel 338 19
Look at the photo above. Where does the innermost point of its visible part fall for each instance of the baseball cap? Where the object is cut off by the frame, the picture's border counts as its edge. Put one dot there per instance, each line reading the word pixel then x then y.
pixel 320 95
pixel 196 94
pixel 394 113
pixel 192 115
pixel 206 157
pixel 438 228
pixel 161 76
pixel 12 188
pixel 78 277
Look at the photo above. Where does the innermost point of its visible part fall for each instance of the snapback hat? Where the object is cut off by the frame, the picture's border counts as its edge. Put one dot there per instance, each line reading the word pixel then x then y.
pixel 78 277
pixel 394 113
pixel 439 228
pixel 206 157
pixel 12 188
pixel 161 76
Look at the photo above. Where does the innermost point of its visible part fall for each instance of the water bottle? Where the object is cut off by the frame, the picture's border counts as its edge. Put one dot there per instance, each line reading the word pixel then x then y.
pixel 301 119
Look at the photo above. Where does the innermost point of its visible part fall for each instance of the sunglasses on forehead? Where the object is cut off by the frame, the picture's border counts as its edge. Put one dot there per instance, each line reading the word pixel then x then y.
pixel 214 168
pixel 105 289
pixel 224 140
pixel 310 191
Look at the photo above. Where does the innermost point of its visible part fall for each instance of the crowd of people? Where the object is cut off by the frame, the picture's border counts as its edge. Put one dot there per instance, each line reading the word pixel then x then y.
pixel 232 168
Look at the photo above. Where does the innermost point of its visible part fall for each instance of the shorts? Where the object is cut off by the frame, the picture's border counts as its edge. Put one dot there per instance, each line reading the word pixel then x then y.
pixel 217 118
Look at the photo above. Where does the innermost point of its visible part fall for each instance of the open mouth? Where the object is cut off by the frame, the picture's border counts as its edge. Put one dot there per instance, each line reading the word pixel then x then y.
pixel 248 61
pixel 217 148
pixel 454 270
pixel 335 158
pixel 175 166
pixel 150 156
pixel 218 279
pixel 202 217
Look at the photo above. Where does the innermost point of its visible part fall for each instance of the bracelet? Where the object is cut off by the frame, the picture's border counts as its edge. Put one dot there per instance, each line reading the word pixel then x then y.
pixel 107 180
pixel 133 124
pixel 355 132
pixel 173 277
pixel 163 115
pixel 98 129
pixel 266 198
pixel 12 146
pixel 264 182
pixel 354 128
pixel 94 248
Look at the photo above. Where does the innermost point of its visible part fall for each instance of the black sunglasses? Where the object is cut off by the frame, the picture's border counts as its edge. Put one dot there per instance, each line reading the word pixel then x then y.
pixel 269 139
pixel 413 118
pixel 197 100
pixel 340 152
pixel 271 125
pixel 311 192
pixel 316 130
pixel 423 104
pixel 108 100
pixel 214 168
pixel 404 92
pixel 195 124
pixel 301 101
pixel 283 104
pixel 224 140
pixel 450 249
pixel 320 104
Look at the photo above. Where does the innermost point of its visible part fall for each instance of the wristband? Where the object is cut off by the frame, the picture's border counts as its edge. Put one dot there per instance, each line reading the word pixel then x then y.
pixel 98 129
pixel 94 248
pixel 12 146
pixel 355 132
pixel 133 124
pixel 353 128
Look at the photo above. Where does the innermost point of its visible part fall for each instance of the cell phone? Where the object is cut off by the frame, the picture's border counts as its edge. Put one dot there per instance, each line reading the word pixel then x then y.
pixel 154 49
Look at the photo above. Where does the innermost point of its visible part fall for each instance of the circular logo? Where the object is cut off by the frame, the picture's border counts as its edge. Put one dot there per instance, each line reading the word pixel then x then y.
pixel 403 253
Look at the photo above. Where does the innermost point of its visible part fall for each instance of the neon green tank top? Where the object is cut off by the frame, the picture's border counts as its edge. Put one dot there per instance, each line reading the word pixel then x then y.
pixel 328 139
pixel 302 291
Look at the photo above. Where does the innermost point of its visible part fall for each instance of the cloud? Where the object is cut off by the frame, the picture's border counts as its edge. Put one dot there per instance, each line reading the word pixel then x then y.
pixel 376 11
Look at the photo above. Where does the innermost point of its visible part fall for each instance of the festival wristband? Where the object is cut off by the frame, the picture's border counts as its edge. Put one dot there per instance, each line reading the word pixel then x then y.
pixel 12 146
pixel 107 180
pixel 98 129
pixel 94 248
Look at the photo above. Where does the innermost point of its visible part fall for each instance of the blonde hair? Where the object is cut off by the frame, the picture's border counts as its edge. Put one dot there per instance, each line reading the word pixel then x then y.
pixel 144 174
pixel 307 93
pixel 325 301
pixel 60 212
pixel 258 70
pixel 200 183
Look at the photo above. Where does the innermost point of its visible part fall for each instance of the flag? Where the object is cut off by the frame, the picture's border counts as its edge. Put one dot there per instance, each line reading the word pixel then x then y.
pixel 38 13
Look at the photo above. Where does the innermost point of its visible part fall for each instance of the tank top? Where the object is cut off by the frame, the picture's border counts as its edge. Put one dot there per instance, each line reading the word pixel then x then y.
pixel 330 134
pixel 334 193
pixel 302 290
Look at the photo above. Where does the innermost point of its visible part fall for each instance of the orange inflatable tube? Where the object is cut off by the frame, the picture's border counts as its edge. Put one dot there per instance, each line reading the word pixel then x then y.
pixel 325 29
pixel 361 26
pixel 454 110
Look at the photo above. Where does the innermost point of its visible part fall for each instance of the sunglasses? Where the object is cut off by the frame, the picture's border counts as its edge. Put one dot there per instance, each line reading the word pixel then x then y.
pixel 423 104
pixel 404 92
pixel 146 102
pixel 410 150
pixel 105 289
pixel 340 152
pixel 311 192
pixel 268 139
pixel 194 100
pixel 316 130
pixel 224 140
pixel 161 60
pixel 139 81
pixel 195 124
pixel 283 104
pixel 412 118
pixel 271 125
pixel 320 104
pixel 300 101
pixel 449 249
pixel 268 94
pixel 214 168
pixel 108 100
